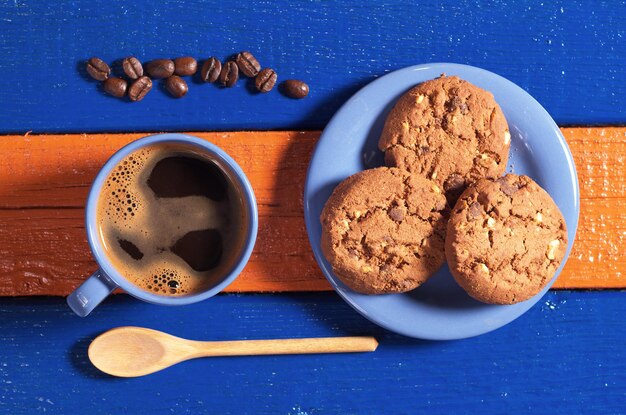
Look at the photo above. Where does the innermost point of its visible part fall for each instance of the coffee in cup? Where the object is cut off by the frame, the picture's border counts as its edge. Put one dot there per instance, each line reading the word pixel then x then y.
pixel 171 221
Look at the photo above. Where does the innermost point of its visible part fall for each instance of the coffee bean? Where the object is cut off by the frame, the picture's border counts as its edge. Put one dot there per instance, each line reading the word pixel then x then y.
pixel 132 67
pixel 139 88
pixel 98 69
pixel 160 68
pixel 229 74
pixel 265 80
pixel 176 86
pixel 211 70
pixel 115 86
pixel 185 66
pixel 248 65
pixel 295 89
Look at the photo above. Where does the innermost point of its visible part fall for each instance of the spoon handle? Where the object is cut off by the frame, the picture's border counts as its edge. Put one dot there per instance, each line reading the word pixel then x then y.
pixel 285 346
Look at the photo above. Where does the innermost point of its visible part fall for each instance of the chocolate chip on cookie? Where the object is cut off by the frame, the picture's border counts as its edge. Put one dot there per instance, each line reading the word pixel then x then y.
pixel 449 131
pixel 507 186
pixel 505 239
pixel 383 230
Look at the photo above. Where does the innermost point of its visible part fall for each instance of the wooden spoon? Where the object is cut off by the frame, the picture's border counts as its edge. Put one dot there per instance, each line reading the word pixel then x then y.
pixel 135 351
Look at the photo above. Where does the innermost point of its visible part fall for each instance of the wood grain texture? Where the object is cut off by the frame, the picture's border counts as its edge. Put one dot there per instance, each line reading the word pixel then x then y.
pixel 568 54
pixel 565 356
pixel 598 259
pixel 44 183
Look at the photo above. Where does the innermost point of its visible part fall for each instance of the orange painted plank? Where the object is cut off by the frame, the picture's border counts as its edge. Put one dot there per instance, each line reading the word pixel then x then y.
pixel 598 259
pixel 44 182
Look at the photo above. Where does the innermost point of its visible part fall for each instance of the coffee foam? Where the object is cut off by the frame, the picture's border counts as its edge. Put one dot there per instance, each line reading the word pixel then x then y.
pixel 129 210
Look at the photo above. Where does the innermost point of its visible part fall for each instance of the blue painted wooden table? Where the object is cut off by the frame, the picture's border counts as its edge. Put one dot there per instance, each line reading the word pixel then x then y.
pixel 566 355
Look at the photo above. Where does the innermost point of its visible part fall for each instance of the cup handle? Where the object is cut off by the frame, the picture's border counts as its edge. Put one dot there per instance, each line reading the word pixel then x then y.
pixel 90 293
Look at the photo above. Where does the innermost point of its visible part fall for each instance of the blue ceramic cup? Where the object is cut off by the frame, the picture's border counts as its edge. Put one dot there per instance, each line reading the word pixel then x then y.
pixel 107 278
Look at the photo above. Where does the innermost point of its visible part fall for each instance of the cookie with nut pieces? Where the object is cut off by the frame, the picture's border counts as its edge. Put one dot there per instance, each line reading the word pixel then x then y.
pixel 383 230
pixel 505 239
pixel 449 131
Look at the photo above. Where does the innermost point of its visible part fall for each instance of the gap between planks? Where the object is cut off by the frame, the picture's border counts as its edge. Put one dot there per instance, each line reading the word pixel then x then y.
pixel 44 181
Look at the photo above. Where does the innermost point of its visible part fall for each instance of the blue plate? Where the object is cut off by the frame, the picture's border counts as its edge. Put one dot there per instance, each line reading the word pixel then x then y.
pixel 439 309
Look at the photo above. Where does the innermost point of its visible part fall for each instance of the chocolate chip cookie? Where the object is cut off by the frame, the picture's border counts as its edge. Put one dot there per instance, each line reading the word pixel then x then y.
pixel 505 239
pixel 449 131
pixel 383 230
